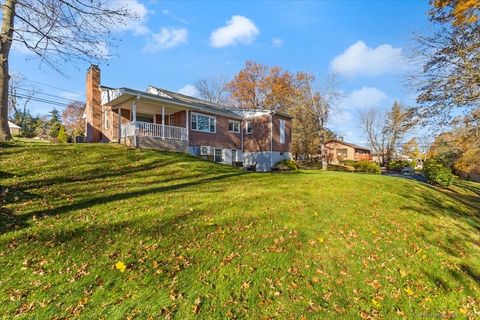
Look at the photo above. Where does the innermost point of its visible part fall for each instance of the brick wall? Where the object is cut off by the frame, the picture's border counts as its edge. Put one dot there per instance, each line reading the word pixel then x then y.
pixel 259 139
pixel 221 139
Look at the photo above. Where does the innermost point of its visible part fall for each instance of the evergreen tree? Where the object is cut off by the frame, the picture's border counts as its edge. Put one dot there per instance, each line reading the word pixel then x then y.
pixel 62 135
pixel 54 123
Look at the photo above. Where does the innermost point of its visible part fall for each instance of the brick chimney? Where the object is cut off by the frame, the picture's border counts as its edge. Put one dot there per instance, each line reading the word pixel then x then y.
pixel 93 110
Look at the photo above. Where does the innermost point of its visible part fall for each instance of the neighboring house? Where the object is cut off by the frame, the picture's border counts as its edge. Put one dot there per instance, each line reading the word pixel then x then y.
pixel 166 120
pixel 339 150
pixel 14 129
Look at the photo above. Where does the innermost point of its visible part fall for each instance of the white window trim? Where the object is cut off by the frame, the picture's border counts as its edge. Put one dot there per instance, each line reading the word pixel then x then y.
pixel 234 121
pixel 282 131
pixel 204 115
pixel 221 155
pixel 246 126
pixel 106 120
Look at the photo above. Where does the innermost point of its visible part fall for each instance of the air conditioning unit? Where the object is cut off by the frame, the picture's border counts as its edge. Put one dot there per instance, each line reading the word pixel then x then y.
pixel 205 150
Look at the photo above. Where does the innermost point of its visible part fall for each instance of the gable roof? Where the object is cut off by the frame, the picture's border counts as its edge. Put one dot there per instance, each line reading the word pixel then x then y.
pixel 348 144
pixel 115 96
pixel 12 125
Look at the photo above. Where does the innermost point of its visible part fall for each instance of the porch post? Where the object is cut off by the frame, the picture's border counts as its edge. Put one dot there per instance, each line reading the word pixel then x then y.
pixel 163 122
pixel 187 123
pixel 119 115
pixel 134 121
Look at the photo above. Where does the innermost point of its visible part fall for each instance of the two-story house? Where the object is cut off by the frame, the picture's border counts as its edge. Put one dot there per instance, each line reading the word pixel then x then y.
pixel 166 120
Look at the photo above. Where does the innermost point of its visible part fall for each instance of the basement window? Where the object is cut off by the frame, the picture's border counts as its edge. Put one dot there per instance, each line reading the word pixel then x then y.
pixel 217 156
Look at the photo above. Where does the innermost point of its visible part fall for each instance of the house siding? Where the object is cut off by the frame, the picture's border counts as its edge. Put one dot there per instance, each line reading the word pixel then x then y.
pixel 222 138
pixel 352 153
pixel 262 147
pixel 276 145
pixel 259 139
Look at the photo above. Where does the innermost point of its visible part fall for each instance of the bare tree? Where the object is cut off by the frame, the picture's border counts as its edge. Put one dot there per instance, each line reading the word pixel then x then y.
pixel 19 91
pixel 56 31
pixel 385 131
pixel 213 90
pixel 372 123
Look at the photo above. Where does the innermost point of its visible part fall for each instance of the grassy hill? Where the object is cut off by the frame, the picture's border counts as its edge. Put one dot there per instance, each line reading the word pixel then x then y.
pixel 205 240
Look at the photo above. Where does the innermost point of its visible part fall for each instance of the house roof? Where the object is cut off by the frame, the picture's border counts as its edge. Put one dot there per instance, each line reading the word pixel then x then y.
pixel 116 96
pixel 12 125
pixel 348 144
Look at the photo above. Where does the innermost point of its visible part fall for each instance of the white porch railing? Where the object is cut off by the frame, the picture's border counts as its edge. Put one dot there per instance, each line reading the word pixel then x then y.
pixel 153 130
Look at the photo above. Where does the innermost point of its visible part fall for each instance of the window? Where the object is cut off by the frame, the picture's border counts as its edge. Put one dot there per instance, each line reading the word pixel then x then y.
pixel 172 120
pixel 282 131
pixel 249 126
pixel 107 114
pixel 342 154
pixel 217 155
pixel 203 123
pixel 234 155
pixel 233 126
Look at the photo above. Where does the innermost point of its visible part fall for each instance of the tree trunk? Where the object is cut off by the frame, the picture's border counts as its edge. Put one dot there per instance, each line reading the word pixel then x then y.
pixel 6 34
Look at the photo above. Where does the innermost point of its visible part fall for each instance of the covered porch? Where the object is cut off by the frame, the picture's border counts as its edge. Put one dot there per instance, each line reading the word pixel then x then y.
pixel 140 122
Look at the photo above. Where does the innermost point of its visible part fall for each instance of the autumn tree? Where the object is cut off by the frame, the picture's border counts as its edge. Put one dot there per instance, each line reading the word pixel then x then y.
pixel 467 141
pixel 260 87
pixel 310 110
pixel 450 56
pixel 72 118
pixel 412 150
pixel 56 31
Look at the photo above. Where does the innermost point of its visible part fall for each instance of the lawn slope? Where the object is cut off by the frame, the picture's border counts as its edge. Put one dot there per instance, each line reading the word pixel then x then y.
pixel 205 240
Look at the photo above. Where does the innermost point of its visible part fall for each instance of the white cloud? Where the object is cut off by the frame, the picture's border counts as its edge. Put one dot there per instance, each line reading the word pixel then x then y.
pixel 345 119
pixel 359 59
pixel 188 90
pixel 365 97
pixel 172 16
pixel 167 38
pixel 139 11
pixel 237 30
pixel 277 42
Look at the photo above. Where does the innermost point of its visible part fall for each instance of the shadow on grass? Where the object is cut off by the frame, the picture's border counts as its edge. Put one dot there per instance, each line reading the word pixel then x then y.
pixel 21 220
pixel 459 207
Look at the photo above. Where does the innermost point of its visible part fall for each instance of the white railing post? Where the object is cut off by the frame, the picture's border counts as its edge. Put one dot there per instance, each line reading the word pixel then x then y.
pixel 187 123
pixel 163 122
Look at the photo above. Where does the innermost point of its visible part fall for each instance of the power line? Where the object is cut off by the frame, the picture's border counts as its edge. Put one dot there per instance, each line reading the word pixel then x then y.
pixel 54 87
pixel 46 94
pixel 42 100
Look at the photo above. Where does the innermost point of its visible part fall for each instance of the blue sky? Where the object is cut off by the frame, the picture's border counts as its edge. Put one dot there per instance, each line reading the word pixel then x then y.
pixel 175 43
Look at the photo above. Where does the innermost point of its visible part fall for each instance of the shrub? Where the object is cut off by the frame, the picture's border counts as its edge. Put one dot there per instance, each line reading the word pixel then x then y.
pixel 62 135
pixel 367 167
pixel 398 165
pixel 340 167
pixel 290 164
pixel 437 173
pixel 349 162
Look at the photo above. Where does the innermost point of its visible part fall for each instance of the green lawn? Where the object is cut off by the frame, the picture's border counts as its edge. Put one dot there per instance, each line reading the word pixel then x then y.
pixel 205 240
